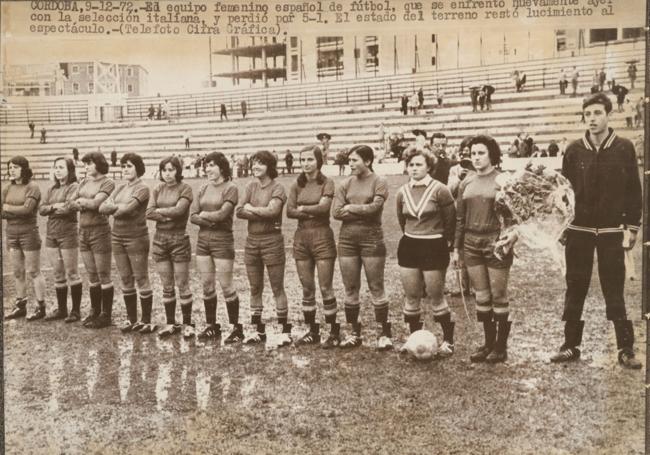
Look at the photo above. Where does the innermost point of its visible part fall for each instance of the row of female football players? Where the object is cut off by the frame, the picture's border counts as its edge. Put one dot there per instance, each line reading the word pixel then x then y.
pixel 436 229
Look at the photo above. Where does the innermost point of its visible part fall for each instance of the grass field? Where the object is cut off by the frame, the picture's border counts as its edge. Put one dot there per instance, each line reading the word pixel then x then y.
pixel 73 390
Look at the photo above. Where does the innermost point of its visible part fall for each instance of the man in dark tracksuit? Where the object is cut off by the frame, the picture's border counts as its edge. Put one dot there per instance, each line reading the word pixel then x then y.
pixel 603 171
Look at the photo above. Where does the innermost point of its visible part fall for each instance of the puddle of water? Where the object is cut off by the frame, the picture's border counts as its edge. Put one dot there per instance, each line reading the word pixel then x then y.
pixel 92 372
pixel 125 347
pixel 56 373
pixel 300 361
pixel 202 390
pixel 162 384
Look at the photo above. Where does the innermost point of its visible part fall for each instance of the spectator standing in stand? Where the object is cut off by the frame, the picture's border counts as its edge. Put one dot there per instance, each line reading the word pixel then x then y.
pixel 244 109
pixel 473 96
pixel 563 82
pixel 152 112
pixel 32 127
pixel 223 113
pixel 43 135
pixel 439 97
pixel 113 158
pixel 324 139
pixel 405 104
pixel 420 98
pixel 574 81
pixel 187 138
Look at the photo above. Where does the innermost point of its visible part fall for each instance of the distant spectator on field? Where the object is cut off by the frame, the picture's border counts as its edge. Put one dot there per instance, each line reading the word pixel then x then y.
pixel 341 160
pixel 639 147
pixel 420 138
pixel 224 113
pixel 620 93
pixel 630 111
pixel 244 109
pixel 553 148
pixel 43 135
pixel 631 72
pixel 602 78
pixel 288 162
pixel 574 81
pixel 563 145
pixel 520 80
pixel 113 158
pixel 513 151
pixel 75 154
pixel 32 127
pixel 324 139
pixel 439 146
pixel 420 98
pixel 159 112
pixel 595 82
pixel 245 164
pixel 198 163
pixel 152 112
pixel 186 138
pixel 640 113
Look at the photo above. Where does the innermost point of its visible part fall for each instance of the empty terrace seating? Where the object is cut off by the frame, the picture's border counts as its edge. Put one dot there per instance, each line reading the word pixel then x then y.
pixel 540 111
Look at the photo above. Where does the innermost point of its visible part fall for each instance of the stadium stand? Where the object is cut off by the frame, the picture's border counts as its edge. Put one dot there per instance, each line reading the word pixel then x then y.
pixel 287 117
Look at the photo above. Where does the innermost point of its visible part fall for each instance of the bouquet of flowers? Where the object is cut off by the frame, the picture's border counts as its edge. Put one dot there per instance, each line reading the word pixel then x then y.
pixel 538 204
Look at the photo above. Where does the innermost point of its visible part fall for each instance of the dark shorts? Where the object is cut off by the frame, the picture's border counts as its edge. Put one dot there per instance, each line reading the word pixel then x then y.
pixel 423 254
pixel 264 249
pixel 171 247
pixel 63 240
pixel 218 244
pixel 314 244
pixel 479 250
pixel 129 245
pixel 96 239
pixel 357 240
pixel 24 241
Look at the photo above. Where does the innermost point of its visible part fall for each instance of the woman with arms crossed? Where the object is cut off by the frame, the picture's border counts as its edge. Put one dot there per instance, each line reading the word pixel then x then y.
pixel 359 203
pixel 310 199
pixel 478 234
pixel 20 200
pixel 130 241
pixel 62 239
pixel 212 211
pixel 427 216
pixel 95 238
pixel 262 207
pixel 169 207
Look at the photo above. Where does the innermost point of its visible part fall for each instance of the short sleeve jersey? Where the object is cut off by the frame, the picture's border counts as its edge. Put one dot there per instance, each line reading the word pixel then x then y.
pixel 89 188
pixel 260 196
pixel 166 196
pixel 133 223
pixel 211 198
pixel 311 194
pixel 59 223
pixel 16 194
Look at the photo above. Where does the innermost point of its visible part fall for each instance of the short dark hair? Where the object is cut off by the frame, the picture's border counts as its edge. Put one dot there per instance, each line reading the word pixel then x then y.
pixel 365 152
pixel 494 151
pixel 437 135
pixel 222 163
pixel 174 162
pixel 136 160
pixel 598 98
pixel 100 162
pixel 25 171
pixel 413 151
pixel 318 154
pixel 266 158
pixel 465 143
pixel 72 173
